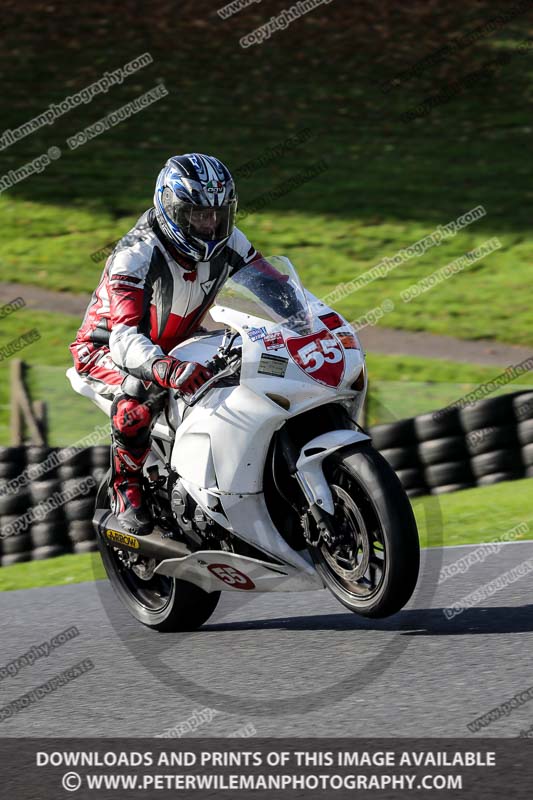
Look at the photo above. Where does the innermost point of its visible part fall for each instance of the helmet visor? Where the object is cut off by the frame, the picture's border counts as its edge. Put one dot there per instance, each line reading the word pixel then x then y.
pixel 207 223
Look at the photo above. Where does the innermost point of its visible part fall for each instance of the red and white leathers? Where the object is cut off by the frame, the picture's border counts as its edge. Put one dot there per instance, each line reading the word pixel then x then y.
pixel 148 300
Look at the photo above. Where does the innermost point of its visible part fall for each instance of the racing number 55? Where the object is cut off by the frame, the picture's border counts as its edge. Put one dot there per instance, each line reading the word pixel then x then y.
pixel 314 354
pixel 231 576
pixel 319 355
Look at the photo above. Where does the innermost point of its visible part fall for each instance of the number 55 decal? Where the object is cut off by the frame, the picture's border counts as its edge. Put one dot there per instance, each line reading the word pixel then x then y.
pixel 319 355
pixel 231 576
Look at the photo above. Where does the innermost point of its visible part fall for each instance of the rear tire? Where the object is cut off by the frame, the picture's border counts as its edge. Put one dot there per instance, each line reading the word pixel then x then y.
pixel 162 603
pixel 376 515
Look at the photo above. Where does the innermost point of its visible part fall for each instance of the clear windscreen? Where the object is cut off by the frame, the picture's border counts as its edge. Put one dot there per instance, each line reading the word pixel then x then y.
pixel 271 289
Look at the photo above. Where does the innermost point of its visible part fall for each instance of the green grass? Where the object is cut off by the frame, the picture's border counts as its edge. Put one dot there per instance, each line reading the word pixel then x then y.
pixel 59 571
pixel 477 515
pixel 328 251
pixel 70 416
pixel 388 183
pixel 400 386
pixel 414 369
pixel 404 386
pixel 469 517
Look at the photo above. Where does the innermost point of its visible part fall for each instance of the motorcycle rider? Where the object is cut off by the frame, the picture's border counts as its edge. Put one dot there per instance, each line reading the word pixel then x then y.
pixel 155 289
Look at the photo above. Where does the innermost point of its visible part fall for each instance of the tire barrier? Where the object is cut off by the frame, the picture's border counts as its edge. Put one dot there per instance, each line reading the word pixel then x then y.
pixel 47 501
pixel 478 445
pixel 47 494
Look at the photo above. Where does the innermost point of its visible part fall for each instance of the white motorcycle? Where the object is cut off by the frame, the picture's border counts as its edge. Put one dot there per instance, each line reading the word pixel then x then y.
pixel 263 481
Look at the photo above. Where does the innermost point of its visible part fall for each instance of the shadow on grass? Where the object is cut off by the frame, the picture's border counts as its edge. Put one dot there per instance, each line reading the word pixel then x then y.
pixel 323 73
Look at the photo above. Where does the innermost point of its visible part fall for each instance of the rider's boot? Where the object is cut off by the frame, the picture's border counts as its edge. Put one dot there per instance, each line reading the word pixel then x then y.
pixel 131 423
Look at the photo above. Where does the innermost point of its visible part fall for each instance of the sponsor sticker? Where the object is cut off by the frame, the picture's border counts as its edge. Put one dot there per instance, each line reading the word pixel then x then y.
pixel 273 365
pixel 332 321
pixel 319 355
pixel 231 576
pixel 348 340
pixel 84 354
pixel 123 538
pixel 257 333
pixel 274 341
pixel 207 286
pixel 214 187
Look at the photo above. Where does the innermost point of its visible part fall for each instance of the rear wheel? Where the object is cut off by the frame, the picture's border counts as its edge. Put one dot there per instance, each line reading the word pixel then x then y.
pixel 160 602
pixel 372 565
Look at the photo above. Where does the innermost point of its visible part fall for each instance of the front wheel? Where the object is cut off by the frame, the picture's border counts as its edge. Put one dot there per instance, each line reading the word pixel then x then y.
pixel 372 564
pixel 160 602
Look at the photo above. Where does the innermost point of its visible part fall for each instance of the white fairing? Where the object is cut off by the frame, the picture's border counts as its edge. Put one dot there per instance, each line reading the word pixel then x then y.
pixel 230 430
pixel 221 442
pixel 310 463
pixel 213 571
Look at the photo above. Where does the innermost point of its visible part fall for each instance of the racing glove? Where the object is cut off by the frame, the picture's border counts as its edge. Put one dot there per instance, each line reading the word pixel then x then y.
pixel 184 376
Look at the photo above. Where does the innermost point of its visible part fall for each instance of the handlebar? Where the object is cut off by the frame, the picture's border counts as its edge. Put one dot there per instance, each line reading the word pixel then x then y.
pixel 222 365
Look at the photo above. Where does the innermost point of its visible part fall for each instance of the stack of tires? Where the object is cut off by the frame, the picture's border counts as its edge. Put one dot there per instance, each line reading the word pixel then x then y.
pixel 55 525
pixel 523 413
pixel 48 531
pixel 92 462
pixel 442 452
pixel 491 435
pixel 397 443
pixel 433 453
pixel 13 504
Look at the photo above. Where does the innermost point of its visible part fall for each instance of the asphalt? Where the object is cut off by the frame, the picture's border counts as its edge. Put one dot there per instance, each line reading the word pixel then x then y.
pixel 286 664
pixel 377 339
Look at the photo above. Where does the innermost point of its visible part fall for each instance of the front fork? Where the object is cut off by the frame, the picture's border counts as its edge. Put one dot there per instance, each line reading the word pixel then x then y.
pixel 307 468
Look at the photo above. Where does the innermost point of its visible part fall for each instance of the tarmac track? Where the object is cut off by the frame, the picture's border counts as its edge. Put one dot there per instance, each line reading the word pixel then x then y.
pixel 287 664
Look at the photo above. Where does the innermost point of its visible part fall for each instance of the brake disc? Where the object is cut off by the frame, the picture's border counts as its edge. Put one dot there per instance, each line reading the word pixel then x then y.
pixel 360 544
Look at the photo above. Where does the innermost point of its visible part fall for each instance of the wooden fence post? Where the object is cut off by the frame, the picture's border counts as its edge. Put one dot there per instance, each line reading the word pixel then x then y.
pixel 17 425
pixel 22 411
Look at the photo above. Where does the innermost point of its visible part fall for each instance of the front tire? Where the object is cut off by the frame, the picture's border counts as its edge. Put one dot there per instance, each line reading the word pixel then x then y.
pixel 373 566
pixel 162 603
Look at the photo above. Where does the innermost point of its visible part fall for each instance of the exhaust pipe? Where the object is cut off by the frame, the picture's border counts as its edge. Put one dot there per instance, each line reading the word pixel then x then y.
pixel 152 545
